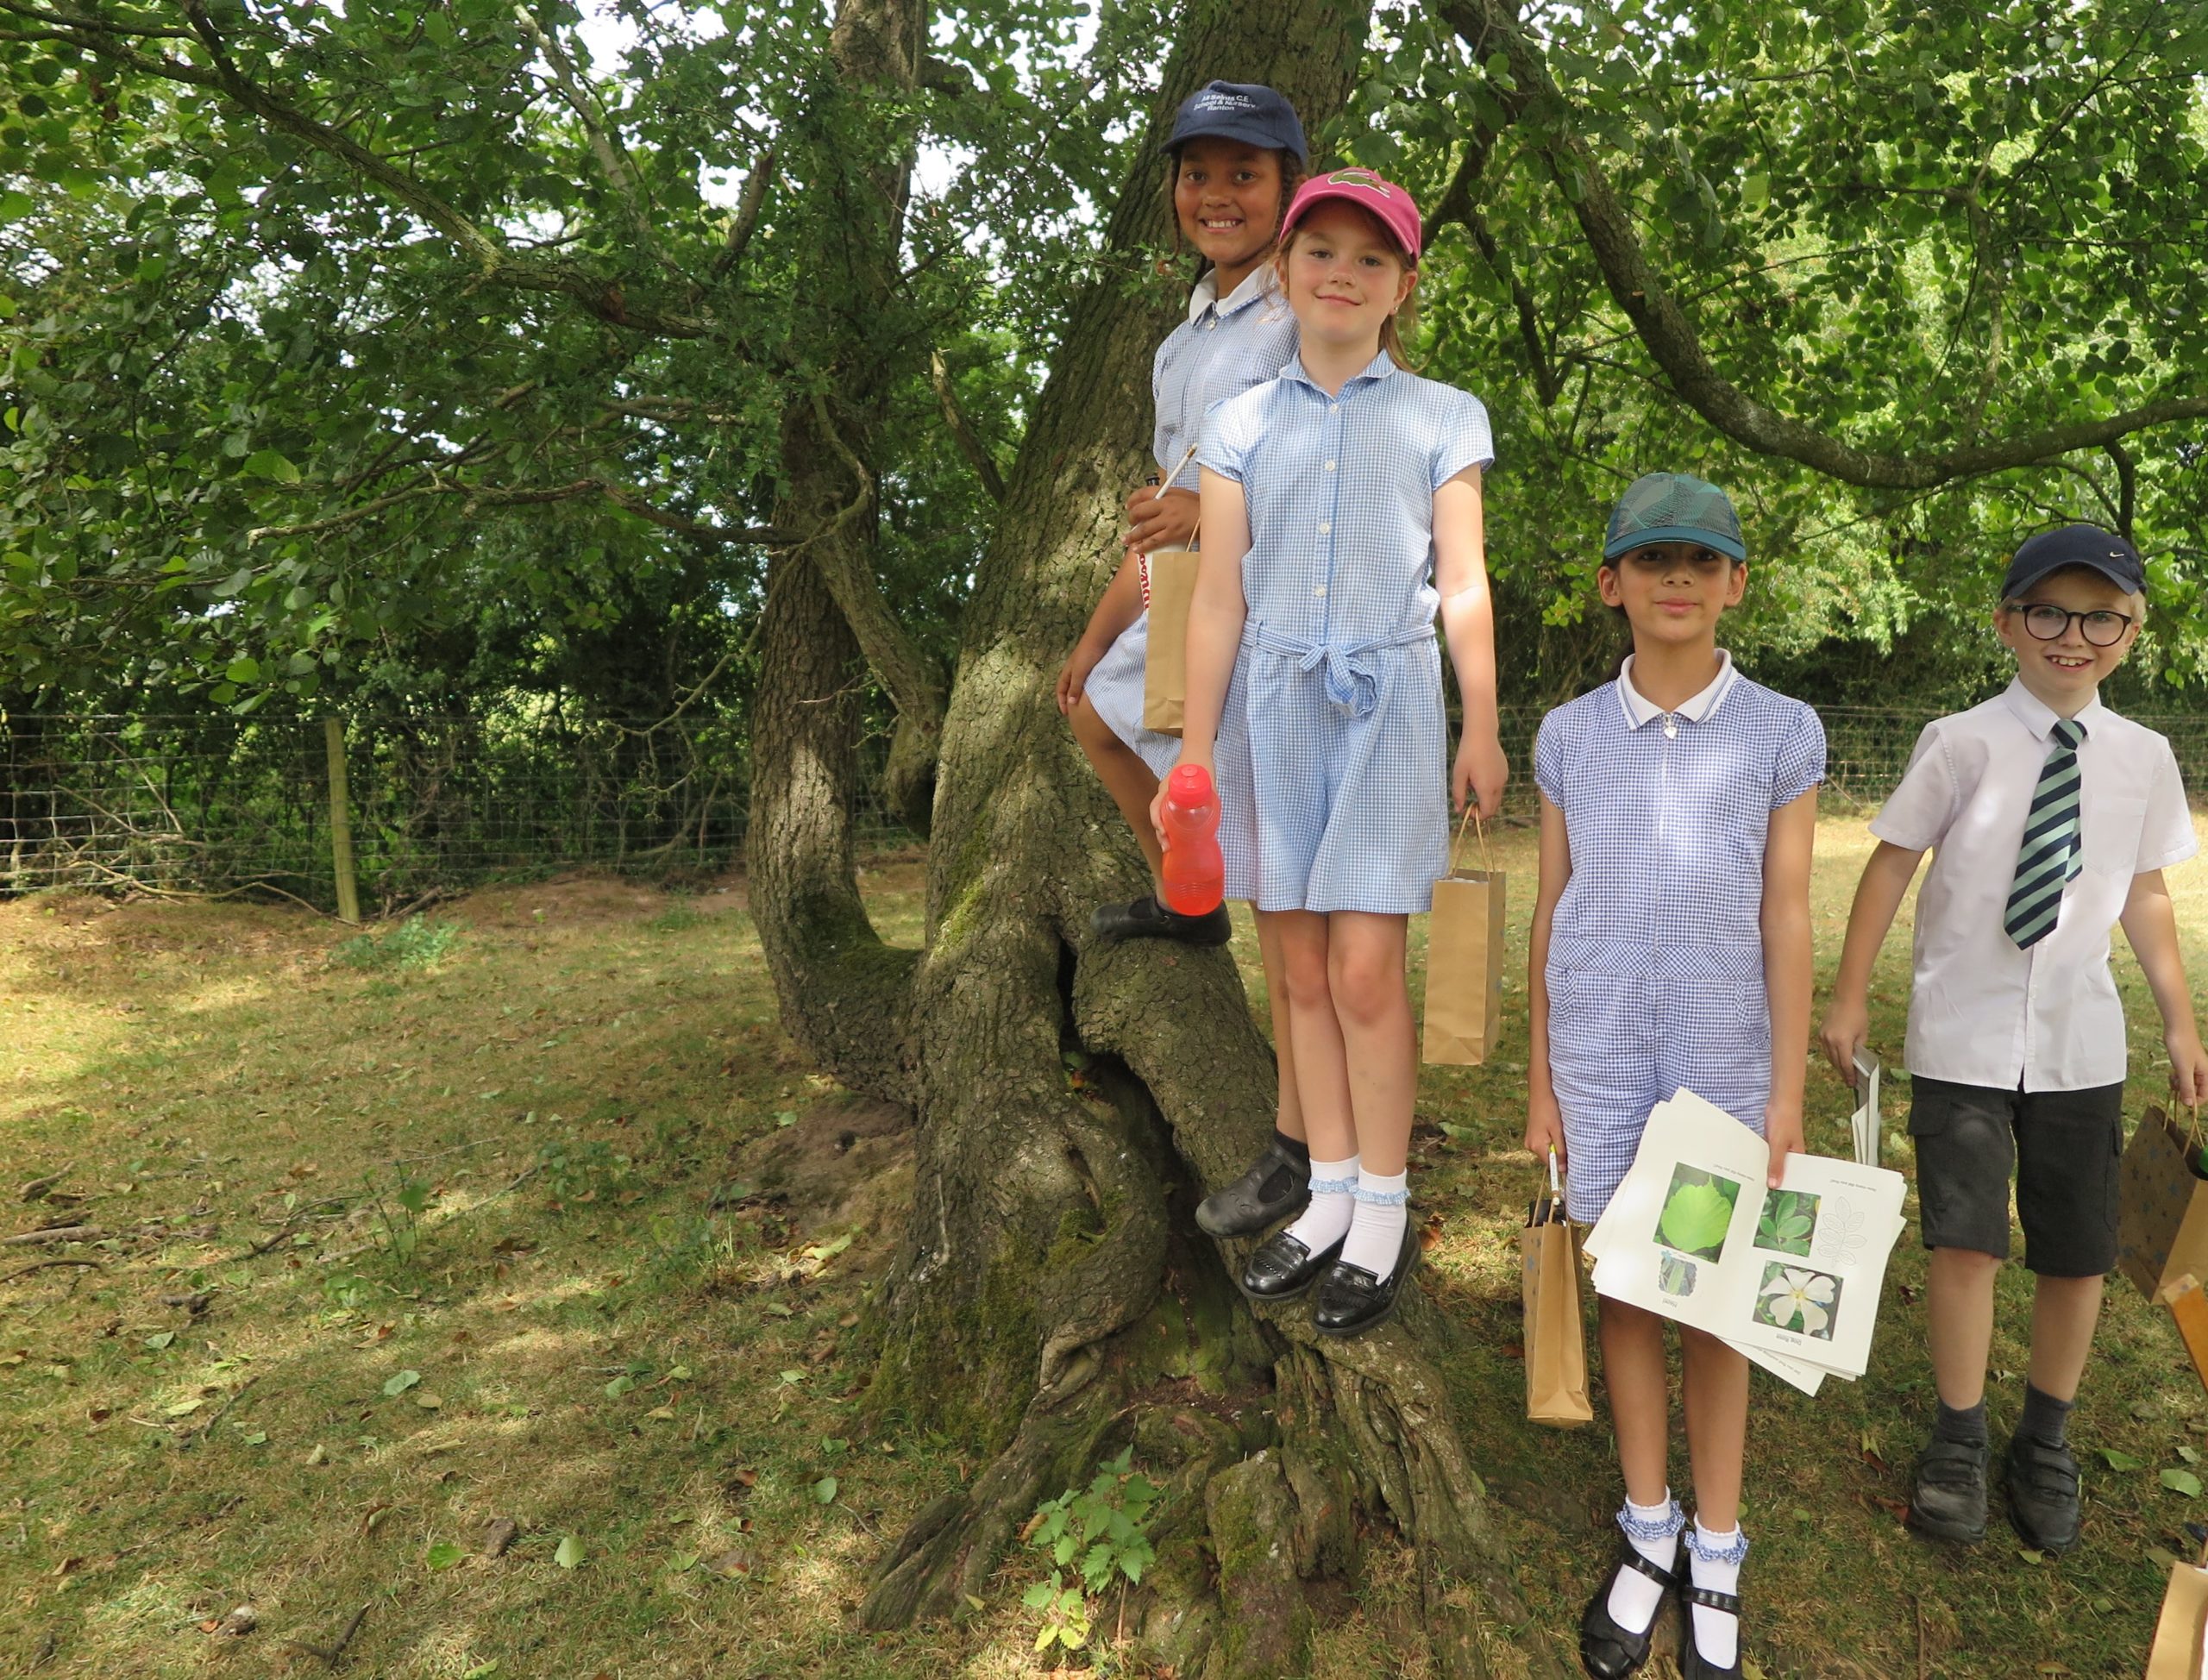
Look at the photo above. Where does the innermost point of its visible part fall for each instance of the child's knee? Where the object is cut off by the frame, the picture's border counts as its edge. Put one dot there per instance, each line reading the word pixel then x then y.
pixel 1367 985
pixel 1968 1264
pixel 1091 730
pixel 1303 973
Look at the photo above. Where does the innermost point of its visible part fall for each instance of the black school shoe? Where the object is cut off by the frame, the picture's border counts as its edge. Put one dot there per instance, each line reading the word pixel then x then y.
pixel 1276 1186
pixel 1351 1301
pixel 1147 919
pixel 1607 1650
pixel 1693 1665
pixel 1948 1501
pixel 1282 1268
pixel 2042 1482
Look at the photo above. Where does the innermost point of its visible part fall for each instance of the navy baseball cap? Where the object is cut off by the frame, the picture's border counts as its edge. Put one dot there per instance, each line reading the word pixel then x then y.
pixel 1238 111
pixel 2075 545
pixel 1673 507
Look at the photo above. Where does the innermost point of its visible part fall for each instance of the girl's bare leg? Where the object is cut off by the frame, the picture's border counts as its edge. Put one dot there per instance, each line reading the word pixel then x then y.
pixel 1314 1035
pixel 1290 1112
pixel 1125 778
pixel 1373 1003
pixel 1717 1387
pixel 1641 1397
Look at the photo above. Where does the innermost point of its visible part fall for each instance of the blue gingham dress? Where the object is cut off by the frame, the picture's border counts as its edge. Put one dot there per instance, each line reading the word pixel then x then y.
pixel 1655 968
pixel 1332 755
pixel 1223 348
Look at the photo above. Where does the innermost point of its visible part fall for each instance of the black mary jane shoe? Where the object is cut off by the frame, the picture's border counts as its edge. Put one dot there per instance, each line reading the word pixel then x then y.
pixel 1282 1268
pixel 1351 1301
pixel 1276 1186
pixel 1147 919
pixel 1607 1649
pixel 1693 1665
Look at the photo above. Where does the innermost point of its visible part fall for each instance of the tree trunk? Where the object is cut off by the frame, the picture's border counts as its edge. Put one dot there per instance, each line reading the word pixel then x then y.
pixel 1050 1297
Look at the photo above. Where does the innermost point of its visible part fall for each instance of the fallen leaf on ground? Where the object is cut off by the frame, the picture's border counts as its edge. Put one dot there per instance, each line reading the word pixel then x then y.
pixel 570 1553
pixel 498 1535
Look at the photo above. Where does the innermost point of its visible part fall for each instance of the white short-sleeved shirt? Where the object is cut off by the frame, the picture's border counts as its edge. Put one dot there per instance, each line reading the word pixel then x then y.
pixel 1980 1010
pixel 1226 346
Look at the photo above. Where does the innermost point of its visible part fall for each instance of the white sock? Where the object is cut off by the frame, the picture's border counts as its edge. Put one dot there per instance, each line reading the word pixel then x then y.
pixel 1376 1234
pixel 1653 1531
pixel 1716 1566
pixel 1334 1201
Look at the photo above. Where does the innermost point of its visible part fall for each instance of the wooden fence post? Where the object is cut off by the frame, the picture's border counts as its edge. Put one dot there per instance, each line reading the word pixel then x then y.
pixel 340 822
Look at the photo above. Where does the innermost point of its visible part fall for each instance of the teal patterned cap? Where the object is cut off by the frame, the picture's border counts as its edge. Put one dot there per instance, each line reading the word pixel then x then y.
pixel 1673 507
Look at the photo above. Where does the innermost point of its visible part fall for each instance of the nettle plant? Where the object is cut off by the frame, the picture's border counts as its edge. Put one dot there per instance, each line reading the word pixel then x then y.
pixel 1099 1533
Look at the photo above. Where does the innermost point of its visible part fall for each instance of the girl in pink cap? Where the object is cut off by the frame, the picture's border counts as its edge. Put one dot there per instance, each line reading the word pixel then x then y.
pixel 1341 511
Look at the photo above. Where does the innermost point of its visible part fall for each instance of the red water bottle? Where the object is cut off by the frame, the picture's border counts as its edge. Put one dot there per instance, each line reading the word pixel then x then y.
pixel 1195 876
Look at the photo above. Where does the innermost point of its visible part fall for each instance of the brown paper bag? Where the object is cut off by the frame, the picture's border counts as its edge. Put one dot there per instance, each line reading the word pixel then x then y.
pixel 2177 1650
pixel 1556 1333
pixel 1165 671
pixel 2162 1234
pixel 1464 962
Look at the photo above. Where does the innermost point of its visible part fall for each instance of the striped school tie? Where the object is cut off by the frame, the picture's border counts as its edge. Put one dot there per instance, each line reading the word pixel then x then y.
pixel 2048 861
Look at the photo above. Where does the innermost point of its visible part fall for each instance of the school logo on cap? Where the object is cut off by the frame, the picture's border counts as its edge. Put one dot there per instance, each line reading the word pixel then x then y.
pixel 1363 178
pixel 1214 100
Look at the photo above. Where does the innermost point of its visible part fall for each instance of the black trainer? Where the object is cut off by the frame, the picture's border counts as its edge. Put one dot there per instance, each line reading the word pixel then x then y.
pixel 1948 1501
pixel 1351 1301
pixel 1147 919
pixel 2042 1480
pixel 1276 1186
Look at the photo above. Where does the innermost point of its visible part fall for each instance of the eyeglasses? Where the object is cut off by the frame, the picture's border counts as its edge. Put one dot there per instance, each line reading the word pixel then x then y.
pixel 2102 629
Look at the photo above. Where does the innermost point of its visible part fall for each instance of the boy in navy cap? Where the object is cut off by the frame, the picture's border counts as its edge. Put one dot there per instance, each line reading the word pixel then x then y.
pixel 2053 819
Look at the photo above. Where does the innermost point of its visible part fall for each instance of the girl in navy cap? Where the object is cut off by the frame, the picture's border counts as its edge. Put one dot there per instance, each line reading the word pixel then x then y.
pixel 1670 948
pixel 1341 511
pixel 1237 153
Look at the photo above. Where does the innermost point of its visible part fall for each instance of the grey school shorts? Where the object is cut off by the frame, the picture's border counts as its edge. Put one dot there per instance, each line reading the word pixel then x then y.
pixel 2065 1148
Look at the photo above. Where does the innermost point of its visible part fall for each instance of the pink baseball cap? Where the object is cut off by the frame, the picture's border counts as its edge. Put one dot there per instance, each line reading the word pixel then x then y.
pixel 1369 192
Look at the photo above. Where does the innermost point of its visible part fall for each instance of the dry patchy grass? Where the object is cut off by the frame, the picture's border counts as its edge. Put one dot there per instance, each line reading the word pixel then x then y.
pixel 524 1156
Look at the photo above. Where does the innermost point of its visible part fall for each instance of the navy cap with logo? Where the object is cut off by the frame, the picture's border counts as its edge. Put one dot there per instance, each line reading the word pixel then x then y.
pixel 2075 545
pixel 1238 111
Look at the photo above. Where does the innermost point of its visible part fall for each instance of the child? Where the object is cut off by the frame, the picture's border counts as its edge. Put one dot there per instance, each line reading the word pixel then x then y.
pixel 1670 948
pixel 2053 818
pixel 1341 505
pixel 1237 153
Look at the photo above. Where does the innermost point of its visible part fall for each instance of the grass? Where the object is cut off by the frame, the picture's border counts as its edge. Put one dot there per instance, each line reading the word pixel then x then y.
pixel 497 1219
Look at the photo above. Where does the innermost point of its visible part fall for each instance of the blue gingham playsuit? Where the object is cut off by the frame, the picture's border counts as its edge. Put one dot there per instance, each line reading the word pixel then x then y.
pixel 1223 348
pixel 1655 967
pixel 1332 755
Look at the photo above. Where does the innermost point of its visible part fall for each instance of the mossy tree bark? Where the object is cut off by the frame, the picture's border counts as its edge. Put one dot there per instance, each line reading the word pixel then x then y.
pixel 1049 1297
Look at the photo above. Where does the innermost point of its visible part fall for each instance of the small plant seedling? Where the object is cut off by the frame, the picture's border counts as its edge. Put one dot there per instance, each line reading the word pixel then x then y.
pixel 1100 1532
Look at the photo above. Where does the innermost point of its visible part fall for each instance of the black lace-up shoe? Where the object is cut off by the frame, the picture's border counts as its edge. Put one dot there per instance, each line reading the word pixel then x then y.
pixel 1948 1502
pixel 1352 1300
pixel 1282 1268
pixel 1147 919
pixel 1276 1186
pixel 2042 1494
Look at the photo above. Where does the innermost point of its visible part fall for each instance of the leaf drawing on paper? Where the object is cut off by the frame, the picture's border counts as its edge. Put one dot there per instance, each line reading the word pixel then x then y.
pixel 1788 1222
pixel 1795 1298
pixel 1697 1209
pixel 1840 1236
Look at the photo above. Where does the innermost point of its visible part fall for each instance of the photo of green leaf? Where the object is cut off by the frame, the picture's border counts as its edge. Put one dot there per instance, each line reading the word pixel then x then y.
pixel 1788 1222
pixel 1698 1210
pixel 1675 1277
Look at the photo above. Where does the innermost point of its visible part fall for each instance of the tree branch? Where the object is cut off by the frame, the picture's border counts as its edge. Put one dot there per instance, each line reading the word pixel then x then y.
pixel 954 416
pixel 620 174
pixel 528 496
pixel 1671 342
pixel 748 206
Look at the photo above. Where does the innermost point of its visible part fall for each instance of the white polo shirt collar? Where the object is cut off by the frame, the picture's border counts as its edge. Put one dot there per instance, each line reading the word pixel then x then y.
pixel 2040 717
pixel 1638 709
pixel 1255 284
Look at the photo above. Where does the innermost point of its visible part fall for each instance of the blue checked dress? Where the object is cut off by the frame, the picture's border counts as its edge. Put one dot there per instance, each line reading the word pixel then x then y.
pixel 1333 757
pixel 1655 968
pixel 1221 349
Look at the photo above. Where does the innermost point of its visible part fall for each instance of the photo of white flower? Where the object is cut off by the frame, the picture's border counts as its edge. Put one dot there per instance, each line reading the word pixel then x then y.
pixel 1798 1298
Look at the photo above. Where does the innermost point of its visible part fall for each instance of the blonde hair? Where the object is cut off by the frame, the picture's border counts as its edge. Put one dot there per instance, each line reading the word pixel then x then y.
pixel 1402 318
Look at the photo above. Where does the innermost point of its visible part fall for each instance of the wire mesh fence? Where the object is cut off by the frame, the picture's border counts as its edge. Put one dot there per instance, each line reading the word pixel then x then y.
pixel 219 805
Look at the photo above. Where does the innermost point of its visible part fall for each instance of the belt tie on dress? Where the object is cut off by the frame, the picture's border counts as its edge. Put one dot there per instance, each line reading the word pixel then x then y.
pixel 1352 685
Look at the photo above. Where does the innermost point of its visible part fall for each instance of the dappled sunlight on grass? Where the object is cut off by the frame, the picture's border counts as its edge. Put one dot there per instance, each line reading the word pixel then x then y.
pixel 385 1254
